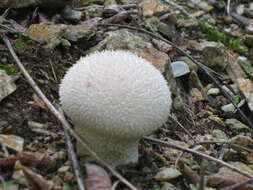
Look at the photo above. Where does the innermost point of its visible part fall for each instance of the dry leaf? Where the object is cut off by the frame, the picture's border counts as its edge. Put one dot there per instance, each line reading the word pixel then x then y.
pixel 30 159
pixel 188 173
pixel 37 182
pixel 97 178
pixel 226 177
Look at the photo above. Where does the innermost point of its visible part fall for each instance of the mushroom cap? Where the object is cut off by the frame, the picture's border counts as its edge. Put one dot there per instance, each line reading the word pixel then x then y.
pixel 115 93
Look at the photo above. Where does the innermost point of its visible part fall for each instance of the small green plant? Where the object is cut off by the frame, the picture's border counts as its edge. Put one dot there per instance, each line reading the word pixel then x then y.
pixel 9 69
pixel 157 187
pixel 66 186
pixel 19 43
pixel 236 99
pixel 219 36
pixel 6 184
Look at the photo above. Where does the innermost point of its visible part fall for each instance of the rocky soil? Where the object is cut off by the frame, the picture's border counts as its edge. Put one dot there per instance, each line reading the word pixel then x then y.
pixel 203 48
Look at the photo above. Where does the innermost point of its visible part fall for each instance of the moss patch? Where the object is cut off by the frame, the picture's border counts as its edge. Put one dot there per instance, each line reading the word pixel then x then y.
pixel 219 36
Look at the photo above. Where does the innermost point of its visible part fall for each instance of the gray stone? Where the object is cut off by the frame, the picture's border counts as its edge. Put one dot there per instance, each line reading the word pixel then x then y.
pixel 168 186
pixel 129 41
pixel 236 126
pixel 215 56
pixel 70 14
pixel 155 25
pixel 55 34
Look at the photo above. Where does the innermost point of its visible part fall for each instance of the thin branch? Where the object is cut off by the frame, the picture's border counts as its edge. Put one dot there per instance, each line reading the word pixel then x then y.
pixel 2 182
pixel 53 71
pixel 4 15
pixel 209 142
pixel 228 7
pixel 168 144
pixel 60 116
pixel 235 186
pixel 180 125
pixel 204 68
pixel 72 156
pixel 173 4
pixel 202 175
pixel 11 30
pixel 115 185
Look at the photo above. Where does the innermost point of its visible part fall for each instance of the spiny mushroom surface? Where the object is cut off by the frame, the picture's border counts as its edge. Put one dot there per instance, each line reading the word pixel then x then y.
pixel 114 98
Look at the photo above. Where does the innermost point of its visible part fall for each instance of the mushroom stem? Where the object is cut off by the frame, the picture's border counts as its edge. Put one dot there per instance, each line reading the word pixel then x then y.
pixel 115 151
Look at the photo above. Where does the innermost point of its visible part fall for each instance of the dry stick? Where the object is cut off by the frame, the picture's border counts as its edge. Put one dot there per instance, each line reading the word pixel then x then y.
pixel 180 125
pixel 73 158
pixel 52 68
pixel 160 142
pixel 4 15
pixel 228 7
pixel 235 186
pixel 2 182
pixel 209 142
pixel 173 4
pixel 201 66
pixel 7 29
pixel 74 161
pixel 202 175
pixel 60 116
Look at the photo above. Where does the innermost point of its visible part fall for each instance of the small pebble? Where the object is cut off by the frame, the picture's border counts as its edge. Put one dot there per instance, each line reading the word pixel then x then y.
pixel 213 91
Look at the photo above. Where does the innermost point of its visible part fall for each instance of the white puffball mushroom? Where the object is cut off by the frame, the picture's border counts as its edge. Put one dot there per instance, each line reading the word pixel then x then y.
pixel 114 98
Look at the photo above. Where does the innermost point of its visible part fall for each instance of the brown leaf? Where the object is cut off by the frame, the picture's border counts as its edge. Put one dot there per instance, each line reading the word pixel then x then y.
pixel 37 159
pixel 188 173
pixel 226 177
pixel 39 102
pixel 37 182
pixel 97 178
pixel 8 161
pixel 30 159
pixel 118 18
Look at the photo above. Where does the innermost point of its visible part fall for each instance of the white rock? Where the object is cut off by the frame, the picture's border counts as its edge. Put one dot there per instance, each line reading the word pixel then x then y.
pixel 167 174
pixel 7 85
pixel 179 68
pixel 213 91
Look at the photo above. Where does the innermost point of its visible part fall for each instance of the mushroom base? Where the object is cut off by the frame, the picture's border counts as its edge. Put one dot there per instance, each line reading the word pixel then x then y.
pixel 114 151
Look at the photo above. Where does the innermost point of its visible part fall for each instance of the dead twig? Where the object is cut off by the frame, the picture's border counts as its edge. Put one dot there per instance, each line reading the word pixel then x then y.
pixel 180 125
pixel 173 4
pixel 228 7
pixel 235 186
pixel 205 156
pixel 2 182
pixel 209 142
pixel 53 71
pixel 60 116
pixel 202 175
pixel 7 29
pixel 115 185
pixel 4 15
pixel 73 158
pixel 204 68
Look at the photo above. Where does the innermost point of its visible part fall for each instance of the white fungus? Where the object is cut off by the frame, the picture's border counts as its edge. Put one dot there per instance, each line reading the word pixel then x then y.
pixel 114 98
